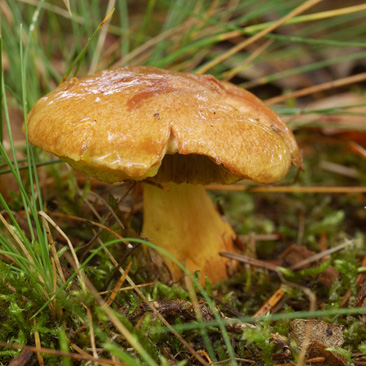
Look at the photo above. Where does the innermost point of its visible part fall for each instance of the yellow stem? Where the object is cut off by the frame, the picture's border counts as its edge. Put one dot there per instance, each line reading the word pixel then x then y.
pixel 184 221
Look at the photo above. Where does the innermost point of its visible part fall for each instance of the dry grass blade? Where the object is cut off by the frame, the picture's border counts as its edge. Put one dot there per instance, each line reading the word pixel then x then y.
pixel 67 4
pixel 128 288
pixel 54 250
pixel 300 9
pixel 37 341
pixel 156 312
pixel 81 219
pixel 54 8
pixel 119 284
pixel 273 189
pixel 24 250
pixel 319 256
pixel 71 247
pixel 16 238
pixel 143 49
pixel 125 333
pixel 91 332
pixel 317 88
pixel 231 73
pixel 304 18
pixel 102 38
pixel 73 356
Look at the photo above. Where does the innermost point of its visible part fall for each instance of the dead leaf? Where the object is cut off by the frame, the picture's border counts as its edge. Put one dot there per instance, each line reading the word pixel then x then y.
pixel 296 254
pixel 317 349
pixel 329 335
pixel 361 297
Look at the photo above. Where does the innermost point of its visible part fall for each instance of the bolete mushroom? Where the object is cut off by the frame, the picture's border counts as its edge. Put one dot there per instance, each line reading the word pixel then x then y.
pixel 179 130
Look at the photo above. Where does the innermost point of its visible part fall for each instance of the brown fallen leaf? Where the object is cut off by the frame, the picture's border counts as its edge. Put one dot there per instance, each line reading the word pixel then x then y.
pixel 185 311
pixel 296 254
pixel 329 335
pixel 317 350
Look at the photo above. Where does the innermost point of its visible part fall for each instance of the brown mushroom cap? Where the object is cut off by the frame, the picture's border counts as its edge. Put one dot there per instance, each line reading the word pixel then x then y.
pixel 147 123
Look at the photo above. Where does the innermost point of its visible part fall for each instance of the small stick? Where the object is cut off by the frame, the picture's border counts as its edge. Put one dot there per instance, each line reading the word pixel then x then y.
pixel 205 354
pixel 271 302
pixel 260 237
pixel 319 359
pixel 37 341
pixel 316 257
pixel 251 261
pixel 357 149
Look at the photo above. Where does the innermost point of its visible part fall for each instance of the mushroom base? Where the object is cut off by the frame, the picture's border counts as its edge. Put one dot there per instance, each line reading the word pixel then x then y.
pixel 185 222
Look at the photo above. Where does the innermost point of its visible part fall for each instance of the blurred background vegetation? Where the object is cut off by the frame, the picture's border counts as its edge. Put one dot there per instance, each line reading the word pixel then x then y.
pixel 307 60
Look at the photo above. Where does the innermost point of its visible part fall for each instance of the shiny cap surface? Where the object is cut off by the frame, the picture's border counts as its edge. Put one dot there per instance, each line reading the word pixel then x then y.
pixel 119 124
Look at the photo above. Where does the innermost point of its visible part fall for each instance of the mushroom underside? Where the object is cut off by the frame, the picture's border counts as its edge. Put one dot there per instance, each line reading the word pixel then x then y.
pixel 177 168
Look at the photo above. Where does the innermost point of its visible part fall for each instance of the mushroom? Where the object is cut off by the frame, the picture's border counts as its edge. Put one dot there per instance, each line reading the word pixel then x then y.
pixel 176 130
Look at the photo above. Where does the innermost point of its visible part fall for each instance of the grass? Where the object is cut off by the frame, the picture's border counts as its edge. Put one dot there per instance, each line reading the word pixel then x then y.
pixel 53 268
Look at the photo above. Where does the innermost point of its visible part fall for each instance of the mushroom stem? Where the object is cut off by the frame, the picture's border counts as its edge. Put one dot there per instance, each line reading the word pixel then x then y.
pixel 185 222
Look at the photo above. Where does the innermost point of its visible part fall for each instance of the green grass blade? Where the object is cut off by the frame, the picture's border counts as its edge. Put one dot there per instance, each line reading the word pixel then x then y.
pixel 1 90
pixel 124 26
pixel 305 68
pixel 44 163
pixel 78 60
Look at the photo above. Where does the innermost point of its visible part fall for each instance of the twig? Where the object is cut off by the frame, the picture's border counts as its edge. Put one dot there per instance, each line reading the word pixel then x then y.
pixel 260 237
pixel 272 267
pixel 251 261
pixel 318 256
pixel 271 302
